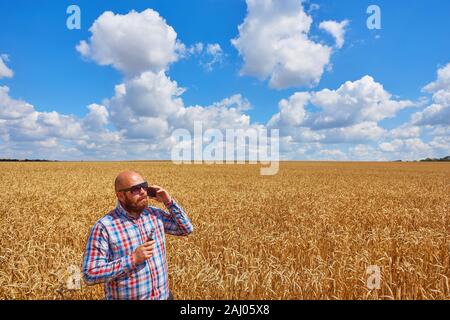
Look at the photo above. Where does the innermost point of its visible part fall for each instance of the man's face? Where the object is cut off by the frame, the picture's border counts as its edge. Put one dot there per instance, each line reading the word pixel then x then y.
pixel 134 200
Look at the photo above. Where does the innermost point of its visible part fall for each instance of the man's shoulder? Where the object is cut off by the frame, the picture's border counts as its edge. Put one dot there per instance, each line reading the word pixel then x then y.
pixel 108 219
pixel 152 210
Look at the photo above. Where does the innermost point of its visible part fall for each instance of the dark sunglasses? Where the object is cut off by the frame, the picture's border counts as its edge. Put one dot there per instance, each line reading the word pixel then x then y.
pixel 136 189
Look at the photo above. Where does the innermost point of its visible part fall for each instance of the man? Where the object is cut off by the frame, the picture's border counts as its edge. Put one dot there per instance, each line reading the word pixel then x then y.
pixel 126 249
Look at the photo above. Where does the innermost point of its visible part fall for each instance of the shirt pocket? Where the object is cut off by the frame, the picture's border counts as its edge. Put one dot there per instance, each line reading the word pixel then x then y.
pixel 117 250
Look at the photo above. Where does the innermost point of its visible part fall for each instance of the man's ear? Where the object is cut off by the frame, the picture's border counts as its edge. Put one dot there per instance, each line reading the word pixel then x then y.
pixel 120 196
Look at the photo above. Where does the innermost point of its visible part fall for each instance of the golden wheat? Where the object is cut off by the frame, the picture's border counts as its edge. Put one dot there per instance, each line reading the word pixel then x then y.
pixel 309 232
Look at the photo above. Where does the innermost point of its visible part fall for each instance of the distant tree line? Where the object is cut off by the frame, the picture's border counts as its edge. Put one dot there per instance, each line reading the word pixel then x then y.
pixel 447 158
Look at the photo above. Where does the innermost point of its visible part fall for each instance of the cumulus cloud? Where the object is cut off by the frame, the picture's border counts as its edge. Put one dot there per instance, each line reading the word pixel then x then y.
pixel 11 108
pixel 26 132
pixel 97 118
pixel 38 126
pixel 226 114
pixel 348 114
pixel 437 113
pixel 149 95
pixel 331 119
pixel 408 149
pixel 274 43
pixel 442 82
pixel 142 106
pixel 407 141
pixel 132 43
pixel 355 102
pixel 5 72
pixel 333 154
pixel 150 106
pixel 292 110
pixel 358 133
pixel 405 131
pixel 336 29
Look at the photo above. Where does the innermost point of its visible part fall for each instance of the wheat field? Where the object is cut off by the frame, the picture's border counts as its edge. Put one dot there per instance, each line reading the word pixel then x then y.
pixel 309 232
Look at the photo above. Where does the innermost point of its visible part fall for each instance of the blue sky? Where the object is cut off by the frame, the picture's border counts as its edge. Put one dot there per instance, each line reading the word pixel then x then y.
pixel 402 57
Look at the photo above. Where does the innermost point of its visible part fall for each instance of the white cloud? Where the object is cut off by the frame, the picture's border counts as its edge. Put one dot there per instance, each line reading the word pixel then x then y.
pixel 5 72
pixel 355 102
pixel 442 82
pixel 11 108
pixel 150 106
pixel 132 43
pixel 313 7
pixel 148 128
pixel 209 55
pixel 196 48
pixel 214 49
pixel 441 131
pixel 405 132
pixel 441 143
pixel 37 126
pixel 390 146
pixel 28 133
pixel 274 43
pixel 149 95
pixel 332 154
pixel 358 133
pixel 226 114
pixel 142 106
pixel 292 110
pixel 349 114
pixel 336 29
pixel 437 113
pixel 433 122
pixel 97 118
pixel 363 152
pixel 407 149
pixel 216 56
pixel 236 101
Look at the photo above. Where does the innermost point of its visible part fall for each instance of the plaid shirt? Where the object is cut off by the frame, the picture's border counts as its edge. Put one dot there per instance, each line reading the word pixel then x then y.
pixel 108 256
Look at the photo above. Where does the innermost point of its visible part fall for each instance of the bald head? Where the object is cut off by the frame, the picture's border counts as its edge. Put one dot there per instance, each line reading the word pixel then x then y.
pixel 127 179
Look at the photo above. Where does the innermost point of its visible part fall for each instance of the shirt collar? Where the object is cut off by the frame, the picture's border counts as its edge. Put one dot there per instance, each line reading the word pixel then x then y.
pixel 124 212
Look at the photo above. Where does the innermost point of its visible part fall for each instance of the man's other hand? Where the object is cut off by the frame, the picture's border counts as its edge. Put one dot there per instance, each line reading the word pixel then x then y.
pixel 143 252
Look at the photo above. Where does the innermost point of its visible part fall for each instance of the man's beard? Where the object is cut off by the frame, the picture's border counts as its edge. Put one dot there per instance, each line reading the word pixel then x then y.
pixel 135 207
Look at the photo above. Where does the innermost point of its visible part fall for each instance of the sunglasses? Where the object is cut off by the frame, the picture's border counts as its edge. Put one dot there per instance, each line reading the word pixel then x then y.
pixel 136 189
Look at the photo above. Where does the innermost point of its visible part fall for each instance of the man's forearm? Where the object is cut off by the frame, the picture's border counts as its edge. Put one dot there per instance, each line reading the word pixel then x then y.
pixel 177 222
pixel 100 271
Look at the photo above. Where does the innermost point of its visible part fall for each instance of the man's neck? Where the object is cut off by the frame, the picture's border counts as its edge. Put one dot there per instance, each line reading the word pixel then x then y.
pixel 131 213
